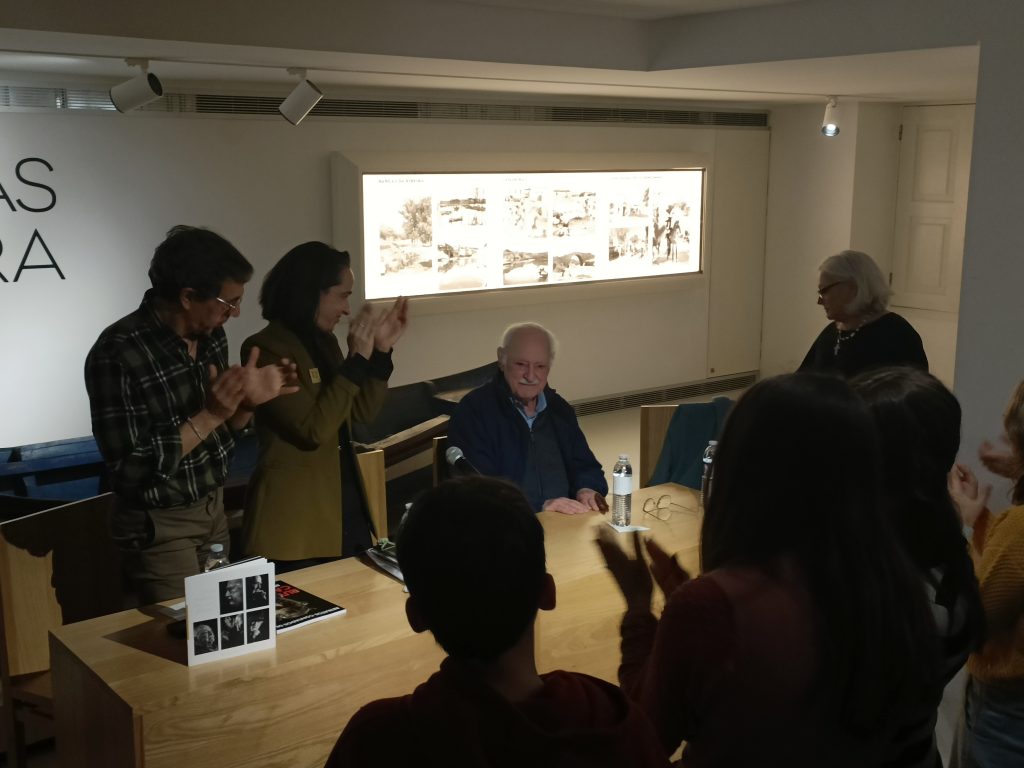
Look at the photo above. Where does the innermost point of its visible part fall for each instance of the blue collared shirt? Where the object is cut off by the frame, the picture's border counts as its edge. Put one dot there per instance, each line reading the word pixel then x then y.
pixel 542 403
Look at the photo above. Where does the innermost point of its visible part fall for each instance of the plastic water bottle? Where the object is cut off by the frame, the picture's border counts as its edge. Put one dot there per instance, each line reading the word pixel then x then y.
pixel 709 472
pixel 622 491
pixel 216 558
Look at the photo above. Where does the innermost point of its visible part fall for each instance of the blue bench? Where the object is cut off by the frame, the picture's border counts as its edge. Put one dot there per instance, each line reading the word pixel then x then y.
pixel 61 469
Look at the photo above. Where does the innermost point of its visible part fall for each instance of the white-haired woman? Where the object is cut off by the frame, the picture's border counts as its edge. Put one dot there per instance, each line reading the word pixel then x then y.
pixel 863 333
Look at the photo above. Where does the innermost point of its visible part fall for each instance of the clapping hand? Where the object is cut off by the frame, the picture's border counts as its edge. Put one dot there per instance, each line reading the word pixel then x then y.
pixel 361 331
pixel 225 392
pixel 666 570
pixel 266 383
pixel 392 325
pixel 999 460
pixel 631 574
pixel 969 498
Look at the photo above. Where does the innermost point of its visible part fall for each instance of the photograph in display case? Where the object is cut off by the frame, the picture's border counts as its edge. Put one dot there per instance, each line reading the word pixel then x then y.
pixel 442 233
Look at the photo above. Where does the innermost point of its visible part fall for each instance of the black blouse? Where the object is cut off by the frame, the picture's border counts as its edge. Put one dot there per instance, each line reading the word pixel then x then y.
pixel 889 340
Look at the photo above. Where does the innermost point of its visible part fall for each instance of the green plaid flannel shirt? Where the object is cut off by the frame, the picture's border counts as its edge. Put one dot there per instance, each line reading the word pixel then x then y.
pixel 142 385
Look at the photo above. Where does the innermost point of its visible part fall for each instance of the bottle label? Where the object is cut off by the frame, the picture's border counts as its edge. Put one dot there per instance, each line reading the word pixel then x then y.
pixel 622 485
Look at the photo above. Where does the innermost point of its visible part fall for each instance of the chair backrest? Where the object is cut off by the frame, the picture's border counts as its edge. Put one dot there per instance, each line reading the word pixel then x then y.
pixel 371 467
pixel 689 429
pixel 441 469
pixel 57 566
pixel 654 421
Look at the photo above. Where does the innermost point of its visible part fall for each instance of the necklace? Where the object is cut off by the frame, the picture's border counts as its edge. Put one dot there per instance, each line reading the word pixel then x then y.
pixel 842 336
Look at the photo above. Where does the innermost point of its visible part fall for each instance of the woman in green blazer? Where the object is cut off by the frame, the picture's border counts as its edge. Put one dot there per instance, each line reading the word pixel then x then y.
pixel 305 499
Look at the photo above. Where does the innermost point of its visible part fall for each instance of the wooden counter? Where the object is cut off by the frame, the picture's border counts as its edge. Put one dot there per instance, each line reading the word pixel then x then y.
pixel 125 697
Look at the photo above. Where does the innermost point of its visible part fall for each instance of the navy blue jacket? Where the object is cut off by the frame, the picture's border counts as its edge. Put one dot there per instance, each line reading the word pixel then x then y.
pixel 492 433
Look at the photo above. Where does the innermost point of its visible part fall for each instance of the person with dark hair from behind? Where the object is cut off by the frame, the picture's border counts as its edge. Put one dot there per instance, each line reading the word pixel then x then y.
pixel 472 553
pixel 306 503
pixel 807 640
pixel 918 421
pixel 165 406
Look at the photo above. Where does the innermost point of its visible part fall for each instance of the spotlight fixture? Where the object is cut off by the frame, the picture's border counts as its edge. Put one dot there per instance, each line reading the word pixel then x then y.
pixel 301 100
pixel 138 91
pixel 830 123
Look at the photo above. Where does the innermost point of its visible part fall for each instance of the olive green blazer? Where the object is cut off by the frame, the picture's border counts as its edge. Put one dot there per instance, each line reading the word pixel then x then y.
pixel 293 505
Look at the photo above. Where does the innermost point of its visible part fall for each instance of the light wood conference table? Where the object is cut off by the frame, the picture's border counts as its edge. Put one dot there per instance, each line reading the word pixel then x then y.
pixel 125 696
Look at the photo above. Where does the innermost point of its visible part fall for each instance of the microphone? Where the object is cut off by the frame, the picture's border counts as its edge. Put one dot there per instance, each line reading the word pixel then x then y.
pixel 458 461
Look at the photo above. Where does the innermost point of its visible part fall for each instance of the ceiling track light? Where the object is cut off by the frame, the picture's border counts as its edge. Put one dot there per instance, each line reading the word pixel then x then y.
pixel 301 100
pixel 830 122
pixel 138 91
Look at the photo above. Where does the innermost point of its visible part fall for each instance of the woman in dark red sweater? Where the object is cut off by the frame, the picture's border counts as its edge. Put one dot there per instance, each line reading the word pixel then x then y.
pixel 800 645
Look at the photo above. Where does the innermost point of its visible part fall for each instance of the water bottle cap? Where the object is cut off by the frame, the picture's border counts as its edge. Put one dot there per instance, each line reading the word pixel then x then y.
pixel 623 457
pixel 712 442
pixel 408 506
pixel 216 547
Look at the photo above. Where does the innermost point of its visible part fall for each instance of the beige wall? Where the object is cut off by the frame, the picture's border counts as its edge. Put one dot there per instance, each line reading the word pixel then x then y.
pixel 123 180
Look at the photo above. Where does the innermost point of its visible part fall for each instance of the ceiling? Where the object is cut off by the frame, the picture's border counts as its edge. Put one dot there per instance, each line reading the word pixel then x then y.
pixel 631 9
pixel 946 75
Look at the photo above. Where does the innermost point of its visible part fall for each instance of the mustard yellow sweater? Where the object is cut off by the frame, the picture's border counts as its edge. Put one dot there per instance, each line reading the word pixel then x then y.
pixel 998 549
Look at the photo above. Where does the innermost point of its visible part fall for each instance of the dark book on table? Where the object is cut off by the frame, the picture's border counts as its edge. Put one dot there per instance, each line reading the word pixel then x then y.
pixel 296 607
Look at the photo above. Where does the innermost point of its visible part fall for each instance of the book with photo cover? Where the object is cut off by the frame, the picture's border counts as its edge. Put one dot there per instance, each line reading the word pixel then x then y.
pixel 228 611
pixel 296 607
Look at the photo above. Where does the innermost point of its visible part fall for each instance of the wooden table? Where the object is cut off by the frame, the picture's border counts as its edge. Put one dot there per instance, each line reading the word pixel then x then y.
pixel 125 697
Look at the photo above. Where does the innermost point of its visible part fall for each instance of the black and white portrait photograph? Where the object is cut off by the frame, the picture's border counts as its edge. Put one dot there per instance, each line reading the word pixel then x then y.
pixel 257 626
pixel 230 595
pixel 204 636
pixel 257 593
pixel 232 631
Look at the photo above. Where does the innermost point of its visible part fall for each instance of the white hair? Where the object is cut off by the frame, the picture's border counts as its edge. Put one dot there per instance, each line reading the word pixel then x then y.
pixel 873 291
pixel 517 328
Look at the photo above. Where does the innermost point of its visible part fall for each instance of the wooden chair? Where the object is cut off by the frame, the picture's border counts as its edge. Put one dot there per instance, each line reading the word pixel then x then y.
pixel 441 469
pixel 371 466
pixel 654 421
pixel 57 566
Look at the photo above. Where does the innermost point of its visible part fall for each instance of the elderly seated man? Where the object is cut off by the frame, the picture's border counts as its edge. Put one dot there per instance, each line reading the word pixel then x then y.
pixel 518 428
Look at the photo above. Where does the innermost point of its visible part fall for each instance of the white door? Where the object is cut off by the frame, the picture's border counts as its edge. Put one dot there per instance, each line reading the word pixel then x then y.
pixel 931 206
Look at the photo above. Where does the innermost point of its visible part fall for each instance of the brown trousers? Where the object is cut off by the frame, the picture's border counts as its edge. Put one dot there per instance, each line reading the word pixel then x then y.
pixel 162 546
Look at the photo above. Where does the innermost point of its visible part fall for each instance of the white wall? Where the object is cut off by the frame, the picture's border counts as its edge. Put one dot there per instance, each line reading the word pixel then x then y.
pixel 810 199
pixel 122 181
pixel 826 195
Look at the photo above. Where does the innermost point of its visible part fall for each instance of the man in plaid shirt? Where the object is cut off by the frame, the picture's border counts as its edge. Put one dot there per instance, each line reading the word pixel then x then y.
pixel 165 404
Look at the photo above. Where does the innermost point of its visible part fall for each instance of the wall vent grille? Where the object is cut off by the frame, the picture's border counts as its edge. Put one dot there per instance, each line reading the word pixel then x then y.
pixel 33 97
pixel 664 395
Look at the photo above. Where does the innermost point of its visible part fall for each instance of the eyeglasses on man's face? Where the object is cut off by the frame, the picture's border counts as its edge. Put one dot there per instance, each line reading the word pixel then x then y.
pixel 232 306
pixel 662 507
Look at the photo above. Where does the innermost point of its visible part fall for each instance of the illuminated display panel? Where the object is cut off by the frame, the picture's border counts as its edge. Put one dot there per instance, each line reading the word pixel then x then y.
pixel 450 232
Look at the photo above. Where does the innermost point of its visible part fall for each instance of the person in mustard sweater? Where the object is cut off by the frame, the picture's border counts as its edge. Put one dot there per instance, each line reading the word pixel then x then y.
pixel 305 502
pixel 991 730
